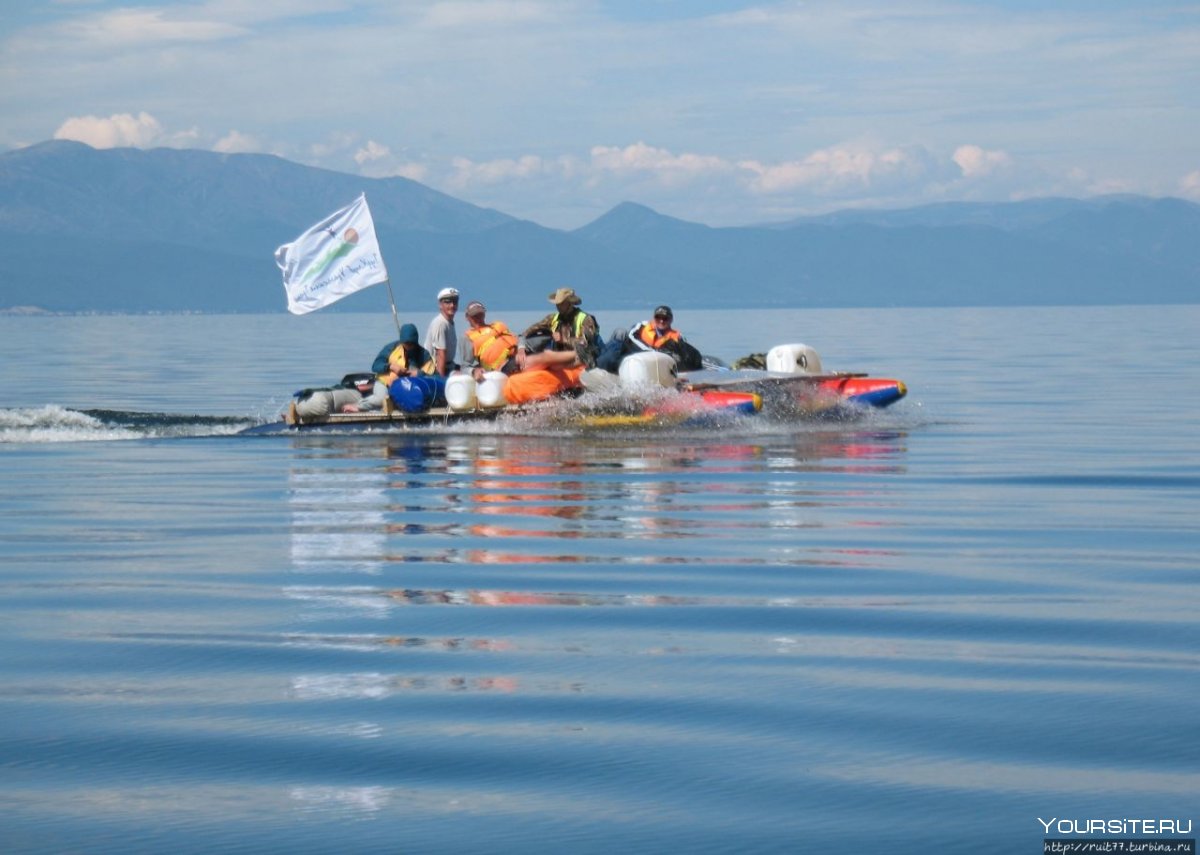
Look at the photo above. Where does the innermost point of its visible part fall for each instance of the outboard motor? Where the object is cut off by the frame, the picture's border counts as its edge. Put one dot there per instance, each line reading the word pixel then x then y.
pixel 648 368
pixel 793 359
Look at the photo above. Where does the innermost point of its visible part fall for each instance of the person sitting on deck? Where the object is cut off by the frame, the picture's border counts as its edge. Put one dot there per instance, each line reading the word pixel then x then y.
pixel 571 338
pixel 407 373
pixel 656 334
pixel 487 347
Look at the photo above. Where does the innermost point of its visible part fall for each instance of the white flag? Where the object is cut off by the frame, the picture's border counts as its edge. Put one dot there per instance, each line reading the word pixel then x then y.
pixel 333 259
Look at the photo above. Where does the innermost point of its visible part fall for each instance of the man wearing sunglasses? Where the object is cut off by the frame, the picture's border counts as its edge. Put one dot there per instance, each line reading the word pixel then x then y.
pixel 655 334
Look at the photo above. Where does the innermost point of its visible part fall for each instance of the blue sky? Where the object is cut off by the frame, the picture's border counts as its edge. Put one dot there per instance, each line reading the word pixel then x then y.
pixel 714 111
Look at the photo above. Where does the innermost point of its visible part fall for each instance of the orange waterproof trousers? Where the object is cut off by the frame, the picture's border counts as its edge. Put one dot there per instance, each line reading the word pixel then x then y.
pixel 539 383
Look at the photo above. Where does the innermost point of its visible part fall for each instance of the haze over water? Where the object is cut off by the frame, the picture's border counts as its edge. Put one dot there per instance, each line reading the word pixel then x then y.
pixel 918 631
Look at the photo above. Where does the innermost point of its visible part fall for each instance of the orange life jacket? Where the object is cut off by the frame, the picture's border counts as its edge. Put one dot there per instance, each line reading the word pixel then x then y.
pixel 494 344
pixel 647 334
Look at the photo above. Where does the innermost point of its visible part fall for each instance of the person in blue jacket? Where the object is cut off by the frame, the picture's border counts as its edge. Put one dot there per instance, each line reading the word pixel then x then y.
pixel 408 373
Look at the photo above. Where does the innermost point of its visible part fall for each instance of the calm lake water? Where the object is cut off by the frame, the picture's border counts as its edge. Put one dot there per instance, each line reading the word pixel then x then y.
pixel 916 632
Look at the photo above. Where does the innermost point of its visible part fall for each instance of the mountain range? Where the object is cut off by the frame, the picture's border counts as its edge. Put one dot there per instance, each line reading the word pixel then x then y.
pixel 162 230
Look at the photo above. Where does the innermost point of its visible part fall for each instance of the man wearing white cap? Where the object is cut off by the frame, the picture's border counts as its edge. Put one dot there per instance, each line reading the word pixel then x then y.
pixel 441 340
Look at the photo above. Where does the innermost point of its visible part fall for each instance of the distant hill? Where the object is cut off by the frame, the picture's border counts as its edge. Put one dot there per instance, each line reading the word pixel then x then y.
pixel 83 229
pixel 1116 250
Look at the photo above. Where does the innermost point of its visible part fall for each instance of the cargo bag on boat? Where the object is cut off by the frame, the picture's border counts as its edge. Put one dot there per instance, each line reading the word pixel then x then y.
pixel 686 357
pixel 363 381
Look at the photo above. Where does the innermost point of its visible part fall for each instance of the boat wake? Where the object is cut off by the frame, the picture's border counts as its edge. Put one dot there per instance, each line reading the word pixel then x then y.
pixel 54 423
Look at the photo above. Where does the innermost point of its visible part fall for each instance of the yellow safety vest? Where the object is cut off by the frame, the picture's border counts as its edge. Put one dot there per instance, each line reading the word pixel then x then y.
pixel 398 355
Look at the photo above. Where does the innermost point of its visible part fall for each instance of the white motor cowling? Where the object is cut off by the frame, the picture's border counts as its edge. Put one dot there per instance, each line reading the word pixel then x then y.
pixel 793 359
pixel 648 368
pixel 599 380
pixel 460 392
pixel 490 391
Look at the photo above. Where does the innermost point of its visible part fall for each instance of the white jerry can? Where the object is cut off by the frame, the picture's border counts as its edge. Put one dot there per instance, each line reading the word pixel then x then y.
pixel 648 368
pixel 490 391
pixel 793 359
pixel 460 392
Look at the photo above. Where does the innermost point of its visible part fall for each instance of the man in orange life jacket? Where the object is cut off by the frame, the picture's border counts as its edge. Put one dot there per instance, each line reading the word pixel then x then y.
pixel 487 347
pixel 653 334
pixel 657 334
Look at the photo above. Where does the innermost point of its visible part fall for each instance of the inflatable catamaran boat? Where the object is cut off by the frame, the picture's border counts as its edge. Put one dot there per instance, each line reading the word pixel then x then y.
pixel 648 390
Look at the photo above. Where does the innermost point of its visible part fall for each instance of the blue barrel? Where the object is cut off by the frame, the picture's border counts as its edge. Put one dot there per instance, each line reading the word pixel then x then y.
pixel 416 394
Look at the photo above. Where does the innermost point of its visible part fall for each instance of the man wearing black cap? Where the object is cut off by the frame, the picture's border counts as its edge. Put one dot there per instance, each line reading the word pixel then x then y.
pixel 656 332
pixel 651 335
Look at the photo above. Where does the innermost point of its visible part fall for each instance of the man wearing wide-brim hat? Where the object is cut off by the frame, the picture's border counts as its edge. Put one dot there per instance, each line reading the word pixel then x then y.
pixel 571 341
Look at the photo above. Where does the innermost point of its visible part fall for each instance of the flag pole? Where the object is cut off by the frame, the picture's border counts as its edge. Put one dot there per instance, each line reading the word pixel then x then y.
pixel 388 283
pixel 392 300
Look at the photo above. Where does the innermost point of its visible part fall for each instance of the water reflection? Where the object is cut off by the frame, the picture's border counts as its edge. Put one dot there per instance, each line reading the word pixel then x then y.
pixel 360 802
pixel 360 505
pixel 338 521
pixel 320 687
pixel 481 557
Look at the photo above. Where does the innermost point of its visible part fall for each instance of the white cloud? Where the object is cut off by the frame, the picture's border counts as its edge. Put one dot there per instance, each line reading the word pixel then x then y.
pixel 1189 186
pixel 142 26
pixel 372 151
pixel 375 159
pixel 414 171
pixel 975 162
pixel 841 169
pixel 472 13
pixel 235 141
pixel 336 144
pixel 121 129
pixel 1112 185
pixel 609 174
pixel 666 166
pixel 468 172
pixel 703 187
